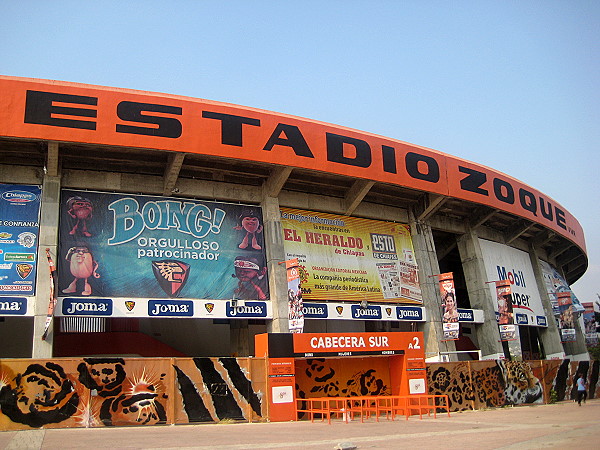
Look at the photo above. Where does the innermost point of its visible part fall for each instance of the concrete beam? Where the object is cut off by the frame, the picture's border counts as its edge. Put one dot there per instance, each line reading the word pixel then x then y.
pixel 517 231
pixel 52 159
pixel 274 184
pixel 570 258
pixel 172 172
pixel 560 249
pixel 577 266
pixel 543 238
pixel 434 203
pixel 355 195
pixel 481 216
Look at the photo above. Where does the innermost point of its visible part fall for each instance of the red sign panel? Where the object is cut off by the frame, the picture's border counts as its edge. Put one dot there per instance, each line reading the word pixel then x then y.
pixel 353 344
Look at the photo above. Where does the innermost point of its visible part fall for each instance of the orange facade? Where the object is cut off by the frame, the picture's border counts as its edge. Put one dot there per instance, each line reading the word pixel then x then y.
pixel 70 112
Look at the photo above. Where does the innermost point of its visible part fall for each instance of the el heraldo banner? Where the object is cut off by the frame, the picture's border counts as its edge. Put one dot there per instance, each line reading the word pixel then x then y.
pixel 120 245
pixel 345 258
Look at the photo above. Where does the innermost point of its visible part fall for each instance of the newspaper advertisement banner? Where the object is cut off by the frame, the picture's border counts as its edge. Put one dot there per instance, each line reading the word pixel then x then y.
pixel 505 311
pixel 295 306
pixel 449 307
pixel 590 325
pixel 567 317
pixel 345 258
pixel 19 230
pixel 507 263
pixel 556 283
pixel 117 245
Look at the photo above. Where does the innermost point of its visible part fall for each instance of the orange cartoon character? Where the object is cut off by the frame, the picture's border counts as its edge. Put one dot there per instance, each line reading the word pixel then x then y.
pixel 82 266
pixel 249 222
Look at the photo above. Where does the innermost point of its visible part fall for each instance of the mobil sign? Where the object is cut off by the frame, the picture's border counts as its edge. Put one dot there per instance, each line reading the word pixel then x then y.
pixel 506 263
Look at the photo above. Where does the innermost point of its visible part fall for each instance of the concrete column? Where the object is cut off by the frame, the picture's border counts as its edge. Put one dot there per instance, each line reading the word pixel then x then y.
pixel 550 336
pixel 429 267
pixel 48 239
pixel 577 351
pixel 277 272
pixel 480 297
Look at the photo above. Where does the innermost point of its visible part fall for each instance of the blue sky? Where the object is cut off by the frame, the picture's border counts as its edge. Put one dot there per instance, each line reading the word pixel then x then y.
pixel 513 85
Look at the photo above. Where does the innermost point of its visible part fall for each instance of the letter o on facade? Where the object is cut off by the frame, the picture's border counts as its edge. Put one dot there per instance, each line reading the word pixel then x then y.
pixel 414 162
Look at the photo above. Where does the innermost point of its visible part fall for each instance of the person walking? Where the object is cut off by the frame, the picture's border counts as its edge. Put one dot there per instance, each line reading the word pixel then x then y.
pixel 581 391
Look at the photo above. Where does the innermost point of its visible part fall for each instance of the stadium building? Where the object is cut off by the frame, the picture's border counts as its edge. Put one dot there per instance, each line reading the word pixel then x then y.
pixel 169 220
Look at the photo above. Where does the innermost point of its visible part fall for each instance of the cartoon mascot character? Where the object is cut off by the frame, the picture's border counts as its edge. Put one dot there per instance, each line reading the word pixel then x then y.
pixel 82 265
pixel 249 222
pixel 81 210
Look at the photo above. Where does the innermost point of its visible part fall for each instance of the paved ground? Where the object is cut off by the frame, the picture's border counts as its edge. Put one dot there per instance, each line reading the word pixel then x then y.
pixel 562 425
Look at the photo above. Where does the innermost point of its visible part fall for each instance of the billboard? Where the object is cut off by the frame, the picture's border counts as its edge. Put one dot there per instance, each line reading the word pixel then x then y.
pixel 345 258
pixel 117 245
pixel 506 263
pixel 19 229
pixel 556 283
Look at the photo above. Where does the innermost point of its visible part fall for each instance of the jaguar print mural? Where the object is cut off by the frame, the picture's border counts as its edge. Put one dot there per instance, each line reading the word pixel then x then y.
pixel 485 384
pixel 39 395
pixel 96 392
pixel 319 377
pixel 214 390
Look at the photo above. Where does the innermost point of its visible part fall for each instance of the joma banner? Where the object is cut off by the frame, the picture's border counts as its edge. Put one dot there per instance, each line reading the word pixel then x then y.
pixel 118 245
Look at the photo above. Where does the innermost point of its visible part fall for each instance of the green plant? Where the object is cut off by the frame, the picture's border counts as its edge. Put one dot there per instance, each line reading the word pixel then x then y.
pixel 594 352
pixel 553 396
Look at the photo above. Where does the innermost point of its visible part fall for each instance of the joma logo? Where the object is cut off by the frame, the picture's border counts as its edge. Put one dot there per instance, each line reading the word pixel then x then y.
pixel 359 312
pixel 170 308
pixel 87 307
pixel 249 309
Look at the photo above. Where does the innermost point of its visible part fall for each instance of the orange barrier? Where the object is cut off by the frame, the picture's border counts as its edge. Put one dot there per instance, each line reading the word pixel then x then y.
pixel 347 408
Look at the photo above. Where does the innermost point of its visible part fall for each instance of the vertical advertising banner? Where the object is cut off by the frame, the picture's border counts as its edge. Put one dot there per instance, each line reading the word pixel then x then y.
pixel 19 229
pixel 567 317
pixel 52 300
pixel 345 258
pixel 555 283
pixel 449 306
pixel 505 311
pixel 295 304
pixel 590 325
pixel 118 245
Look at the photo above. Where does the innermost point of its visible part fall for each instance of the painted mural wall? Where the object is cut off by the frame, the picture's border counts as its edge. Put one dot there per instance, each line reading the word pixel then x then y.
pixel 96 392
pixel 485 384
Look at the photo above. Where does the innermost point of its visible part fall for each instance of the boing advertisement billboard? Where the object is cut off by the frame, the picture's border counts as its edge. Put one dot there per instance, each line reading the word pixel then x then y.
pixel 118 245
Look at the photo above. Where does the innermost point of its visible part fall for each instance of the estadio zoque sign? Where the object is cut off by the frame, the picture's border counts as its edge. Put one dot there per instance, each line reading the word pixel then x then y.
pixel 70 112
